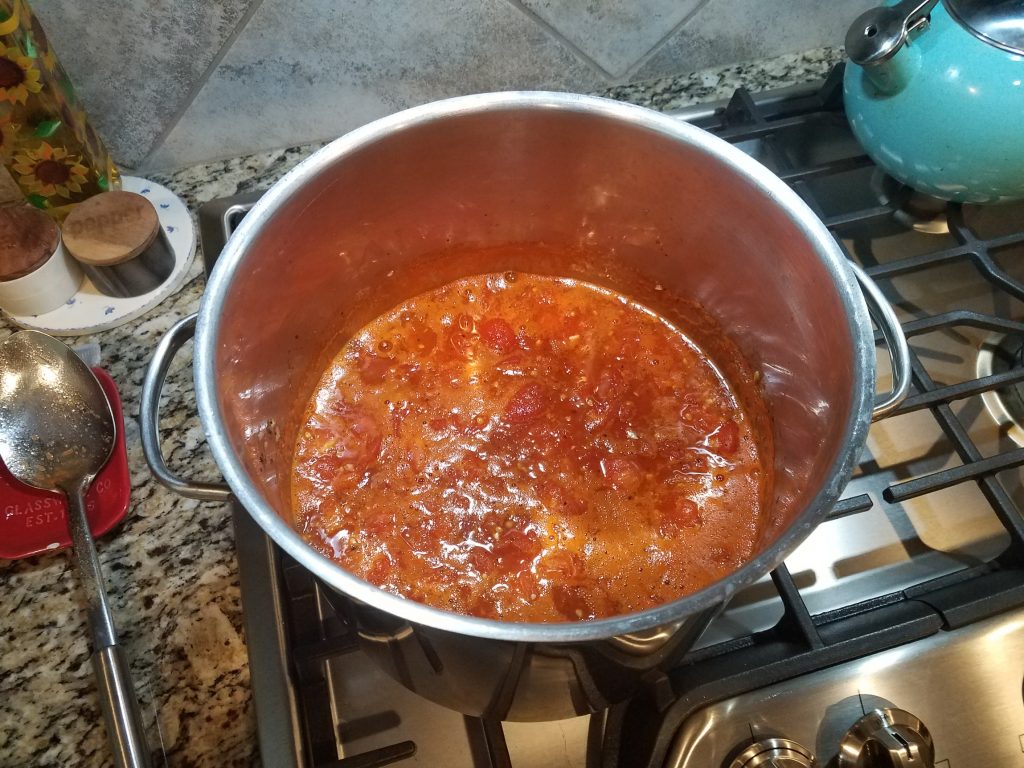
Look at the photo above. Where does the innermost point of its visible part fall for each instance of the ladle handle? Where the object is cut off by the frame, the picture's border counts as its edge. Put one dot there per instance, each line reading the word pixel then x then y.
pixel 87 566
pixel 149 418
pixel 121 713
pixel 120 706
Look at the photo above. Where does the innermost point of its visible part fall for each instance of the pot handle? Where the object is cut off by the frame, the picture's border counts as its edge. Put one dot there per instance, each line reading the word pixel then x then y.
pixel 899 352
pixel 149 417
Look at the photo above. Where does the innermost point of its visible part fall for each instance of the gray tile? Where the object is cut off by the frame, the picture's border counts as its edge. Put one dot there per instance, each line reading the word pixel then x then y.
pixel 306 71
pixel 134 63
pixel 729 31
pixel 615 34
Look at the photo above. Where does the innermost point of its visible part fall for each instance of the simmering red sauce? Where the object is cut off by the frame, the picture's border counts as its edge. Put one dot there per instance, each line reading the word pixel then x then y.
pixel 528 448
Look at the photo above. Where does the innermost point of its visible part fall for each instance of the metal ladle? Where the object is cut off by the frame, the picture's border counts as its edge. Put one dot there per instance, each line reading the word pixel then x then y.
pixel 56 432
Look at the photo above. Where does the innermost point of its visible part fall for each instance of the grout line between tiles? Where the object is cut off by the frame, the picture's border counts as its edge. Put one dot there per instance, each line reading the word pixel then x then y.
pixel 553 32
pixel 201 82
pixel 632 70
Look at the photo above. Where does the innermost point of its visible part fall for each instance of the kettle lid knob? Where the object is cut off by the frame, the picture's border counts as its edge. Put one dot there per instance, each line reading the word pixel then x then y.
pixel 876 35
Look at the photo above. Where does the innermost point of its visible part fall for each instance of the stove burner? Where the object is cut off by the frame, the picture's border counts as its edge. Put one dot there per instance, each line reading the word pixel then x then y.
pixel 998 354
pixel 770 752
pixel 914 210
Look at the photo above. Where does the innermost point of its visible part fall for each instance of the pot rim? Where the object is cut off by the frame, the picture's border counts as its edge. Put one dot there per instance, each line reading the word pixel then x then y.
pixel 773 188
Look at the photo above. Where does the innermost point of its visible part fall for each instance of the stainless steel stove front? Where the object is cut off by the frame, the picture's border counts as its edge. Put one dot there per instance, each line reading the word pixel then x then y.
pixel 964 685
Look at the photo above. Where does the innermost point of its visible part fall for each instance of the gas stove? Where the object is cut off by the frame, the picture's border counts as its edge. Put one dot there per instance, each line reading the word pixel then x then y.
pixel 893 636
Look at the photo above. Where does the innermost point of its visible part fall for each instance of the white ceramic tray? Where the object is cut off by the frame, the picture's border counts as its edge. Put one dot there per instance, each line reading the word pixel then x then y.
pixel 89 310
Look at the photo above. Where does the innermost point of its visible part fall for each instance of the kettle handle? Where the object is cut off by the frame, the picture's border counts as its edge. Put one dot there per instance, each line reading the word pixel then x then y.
pixel 876 35
pixel 149 418
pixel 895 341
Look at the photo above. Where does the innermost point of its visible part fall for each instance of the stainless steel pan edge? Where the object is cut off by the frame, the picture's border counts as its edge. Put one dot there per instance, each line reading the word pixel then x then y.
pixel 773 189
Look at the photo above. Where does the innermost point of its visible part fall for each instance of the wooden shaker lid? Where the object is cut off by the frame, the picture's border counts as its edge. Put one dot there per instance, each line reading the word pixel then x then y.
pixel 110 228
pixel 28 237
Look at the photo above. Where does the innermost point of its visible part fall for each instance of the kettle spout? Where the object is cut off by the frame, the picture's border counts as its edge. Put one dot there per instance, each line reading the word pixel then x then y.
pixel 877 42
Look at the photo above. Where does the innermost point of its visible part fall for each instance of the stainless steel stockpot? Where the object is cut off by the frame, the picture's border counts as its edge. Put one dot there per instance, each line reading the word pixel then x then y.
pixel 641 199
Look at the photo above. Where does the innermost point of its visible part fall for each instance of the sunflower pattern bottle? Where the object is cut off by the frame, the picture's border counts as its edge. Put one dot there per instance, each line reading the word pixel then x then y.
pixel 46 142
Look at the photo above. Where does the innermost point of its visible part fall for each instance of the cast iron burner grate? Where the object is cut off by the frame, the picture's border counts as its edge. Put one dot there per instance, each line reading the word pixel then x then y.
pixel 770 127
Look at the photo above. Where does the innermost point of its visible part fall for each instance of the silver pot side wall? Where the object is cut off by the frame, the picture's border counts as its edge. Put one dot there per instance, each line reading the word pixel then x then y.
pixel 518 681
pixel 639 203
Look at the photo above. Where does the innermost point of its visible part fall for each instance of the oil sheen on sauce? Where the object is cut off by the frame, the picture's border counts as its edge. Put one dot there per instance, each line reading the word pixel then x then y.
pixel 528 448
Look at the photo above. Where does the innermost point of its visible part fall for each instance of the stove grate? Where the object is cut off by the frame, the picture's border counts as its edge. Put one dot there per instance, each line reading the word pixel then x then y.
pixel 640 732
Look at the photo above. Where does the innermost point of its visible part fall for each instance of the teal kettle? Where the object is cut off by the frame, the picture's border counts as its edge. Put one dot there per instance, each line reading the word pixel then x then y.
pixel 934 92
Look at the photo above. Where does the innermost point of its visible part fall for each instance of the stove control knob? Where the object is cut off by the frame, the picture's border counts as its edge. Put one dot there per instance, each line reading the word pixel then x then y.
pixel 887 738
pixel 774 753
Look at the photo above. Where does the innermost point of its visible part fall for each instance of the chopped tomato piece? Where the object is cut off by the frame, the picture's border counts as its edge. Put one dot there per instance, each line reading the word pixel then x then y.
pixel 726 441
pixel 324 468
pixel 562 565
pixel 526 404
pixel 677 514
pixel 373 368
pixel 498 335
pixel 696 419
pixel 564 502
pixel 624 475
pixel 515 549
pixel 482 560
pixel 528 585
pixel 352 443
pixel 379 523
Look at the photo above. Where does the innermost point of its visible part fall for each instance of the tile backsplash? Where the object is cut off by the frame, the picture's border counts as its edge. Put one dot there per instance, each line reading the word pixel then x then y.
pixel 169 83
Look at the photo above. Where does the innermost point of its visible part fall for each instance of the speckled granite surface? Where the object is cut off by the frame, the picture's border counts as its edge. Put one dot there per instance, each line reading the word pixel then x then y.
pixel 170 566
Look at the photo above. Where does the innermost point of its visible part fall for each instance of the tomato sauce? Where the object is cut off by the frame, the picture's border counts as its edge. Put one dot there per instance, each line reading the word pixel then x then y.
pixel 528 448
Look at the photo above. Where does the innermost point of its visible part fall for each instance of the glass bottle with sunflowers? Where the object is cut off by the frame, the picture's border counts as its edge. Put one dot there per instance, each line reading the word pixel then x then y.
pixel 47 144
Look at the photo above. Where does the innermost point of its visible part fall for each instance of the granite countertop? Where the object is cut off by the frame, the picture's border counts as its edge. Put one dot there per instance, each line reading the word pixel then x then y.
pixel 170 566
